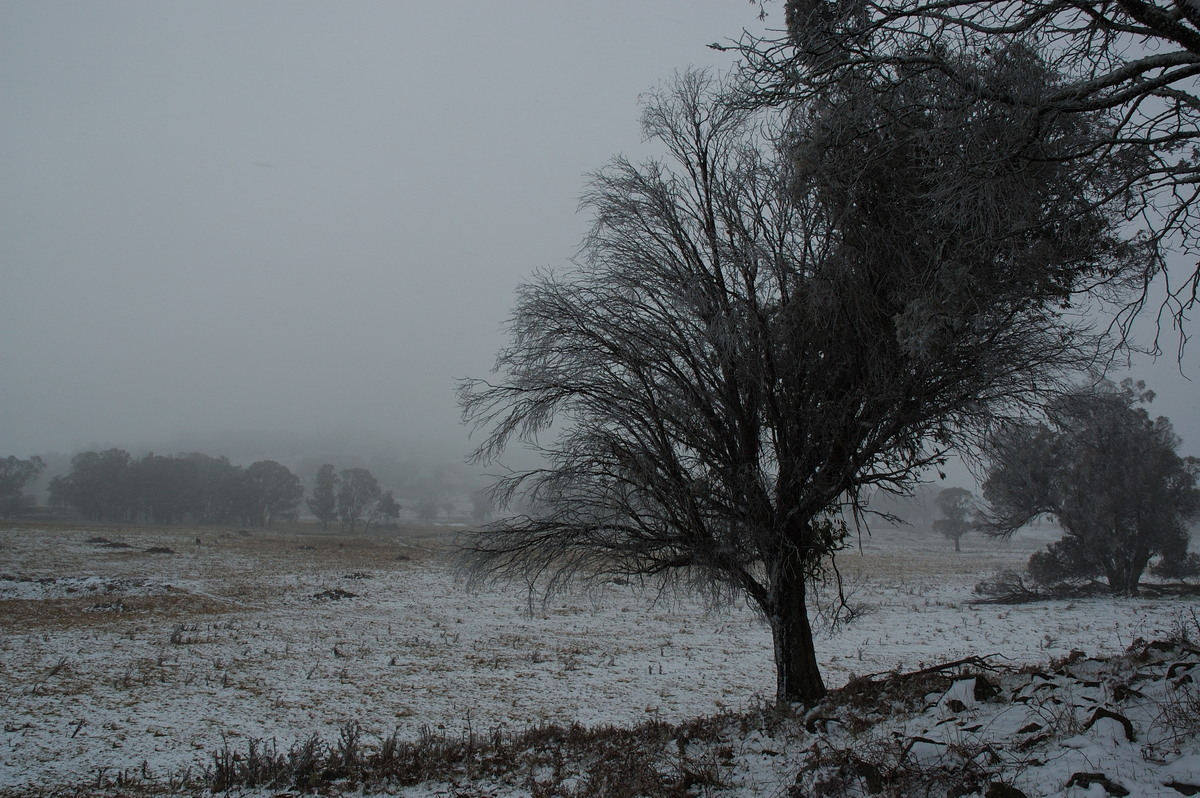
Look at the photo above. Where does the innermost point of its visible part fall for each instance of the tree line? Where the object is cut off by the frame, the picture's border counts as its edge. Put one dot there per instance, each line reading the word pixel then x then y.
pixel 114 486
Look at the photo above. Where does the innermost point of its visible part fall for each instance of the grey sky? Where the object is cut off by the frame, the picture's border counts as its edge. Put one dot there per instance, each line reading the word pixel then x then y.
pixel 294 215
pixel 297 216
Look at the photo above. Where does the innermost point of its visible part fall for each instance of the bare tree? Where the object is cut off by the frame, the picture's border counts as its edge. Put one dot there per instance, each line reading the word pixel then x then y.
pixel 747 342
pixel 357 491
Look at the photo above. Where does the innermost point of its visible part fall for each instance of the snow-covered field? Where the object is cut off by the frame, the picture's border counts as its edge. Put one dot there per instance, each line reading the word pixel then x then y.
pixel 115 656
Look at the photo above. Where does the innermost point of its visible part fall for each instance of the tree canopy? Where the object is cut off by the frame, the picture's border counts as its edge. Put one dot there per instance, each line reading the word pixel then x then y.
pixel 1133 62
pixel 957 507
pixel 1109 473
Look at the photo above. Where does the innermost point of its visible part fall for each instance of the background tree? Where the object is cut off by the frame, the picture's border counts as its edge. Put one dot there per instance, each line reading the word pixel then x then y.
pixel 216 488
pixel 357 491
pixel 99 485
pixel 15 474
pixel 385 511
pixel 1133 61
pixel 427 508
pixel 166 488
pixel 481 506
pixel 276 490
pixel 749 339
pixel 112 486
pixel 322 502
pixel 1112 478
pixel 957 507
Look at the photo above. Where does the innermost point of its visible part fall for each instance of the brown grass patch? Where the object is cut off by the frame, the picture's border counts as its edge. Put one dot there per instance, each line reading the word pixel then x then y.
pixel 50 614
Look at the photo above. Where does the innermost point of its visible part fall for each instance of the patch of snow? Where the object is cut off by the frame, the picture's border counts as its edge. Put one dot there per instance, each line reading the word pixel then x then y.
pixel 415 649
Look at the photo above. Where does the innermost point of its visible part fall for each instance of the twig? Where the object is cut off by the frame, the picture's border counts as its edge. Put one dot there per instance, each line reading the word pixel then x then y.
pixel 977 661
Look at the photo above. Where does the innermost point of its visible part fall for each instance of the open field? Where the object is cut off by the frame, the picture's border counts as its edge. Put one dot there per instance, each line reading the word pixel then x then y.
pixel 149 649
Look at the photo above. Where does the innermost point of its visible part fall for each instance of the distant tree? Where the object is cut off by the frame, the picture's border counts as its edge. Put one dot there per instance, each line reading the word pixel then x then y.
pixel 99 485
pixel 957 506
pixel 217 489
pixel 427 508
pixel 239 498
pixel 357 491
pixel 481 506
pixel 165 488
pixel 277 491
pixel 323 499
pixel 914 508
pixel 1110 475
pixel 15 474
pixel 385 511
pixel 751 340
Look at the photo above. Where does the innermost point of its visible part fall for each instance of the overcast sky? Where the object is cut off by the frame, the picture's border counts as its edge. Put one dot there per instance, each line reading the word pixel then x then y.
pixel 303 216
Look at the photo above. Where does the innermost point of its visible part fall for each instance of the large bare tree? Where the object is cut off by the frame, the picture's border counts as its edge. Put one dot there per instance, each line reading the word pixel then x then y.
pixel 749 340
pixel 1134 61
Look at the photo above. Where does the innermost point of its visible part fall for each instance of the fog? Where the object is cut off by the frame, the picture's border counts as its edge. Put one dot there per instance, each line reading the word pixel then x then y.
pixel 234 218
pixel 224 223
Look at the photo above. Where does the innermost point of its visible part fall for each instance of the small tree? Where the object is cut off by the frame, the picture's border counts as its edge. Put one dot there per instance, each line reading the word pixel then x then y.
pixel 322 501
pixel 386 510
pixel 357 491
pixel 957 506
pixel 15 474
pixel 1111 476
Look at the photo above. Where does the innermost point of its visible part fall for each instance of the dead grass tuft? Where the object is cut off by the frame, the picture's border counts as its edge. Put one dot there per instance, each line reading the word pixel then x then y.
pixel 650 760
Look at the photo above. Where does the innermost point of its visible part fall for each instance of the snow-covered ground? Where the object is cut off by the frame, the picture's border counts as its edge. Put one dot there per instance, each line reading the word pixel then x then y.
pixel 113 657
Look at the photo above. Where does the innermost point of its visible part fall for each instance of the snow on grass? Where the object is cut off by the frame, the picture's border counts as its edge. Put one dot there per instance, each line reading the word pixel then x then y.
pixel 114 658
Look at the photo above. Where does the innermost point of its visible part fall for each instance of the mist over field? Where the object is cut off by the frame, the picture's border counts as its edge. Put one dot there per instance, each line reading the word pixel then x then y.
pixel 240 222
pixel 227 225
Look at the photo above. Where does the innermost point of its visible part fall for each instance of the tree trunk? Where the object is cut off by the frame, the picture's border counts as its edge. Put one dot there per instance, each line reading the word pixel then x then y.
pixel 1125 575
pixel 1122 586
pixel 1125 581
pixel 797 675
pixel 956 547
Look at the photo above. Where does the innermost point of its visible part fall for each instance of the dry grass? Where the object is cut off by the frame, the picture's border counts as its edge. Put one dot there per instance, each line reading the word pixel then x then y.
pixel 650 760
pixel 195 552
